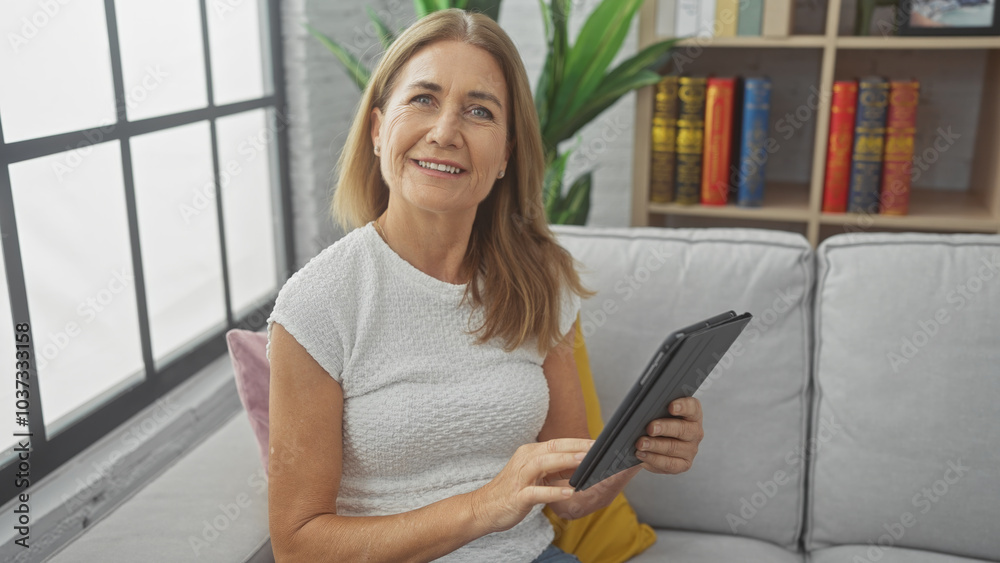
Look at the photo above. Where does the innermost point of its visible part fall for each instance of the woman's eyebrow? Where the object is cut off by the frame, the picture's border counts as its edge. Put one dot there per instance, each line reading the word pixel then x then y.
pixel 475 94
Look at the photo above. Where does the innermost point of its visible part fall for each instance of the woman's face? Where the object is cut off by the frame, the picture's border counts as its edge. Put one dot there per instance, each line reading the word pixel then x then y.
pixel 448 107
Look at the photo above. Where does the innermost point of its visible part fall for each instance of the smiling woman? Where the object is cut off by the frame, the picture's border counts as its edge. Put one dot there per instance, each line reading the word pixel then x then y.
pixel 422 372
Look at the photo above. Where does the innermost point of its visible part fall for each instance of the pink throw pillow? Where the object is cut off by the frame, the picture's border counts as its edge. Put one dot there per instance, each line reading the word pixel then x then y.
pixel 248 352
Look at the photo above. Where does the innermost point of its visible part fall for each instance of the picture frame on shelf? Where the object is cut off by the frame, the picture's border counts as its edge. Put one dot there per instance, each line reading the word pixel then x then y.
pixel 949 17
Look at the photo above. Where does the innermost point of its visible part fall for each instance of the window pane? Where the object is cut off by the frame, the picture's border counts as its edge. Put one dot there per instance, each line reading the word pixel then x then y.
pixel 246 147
pixel 7 359
pixel 163 62
pixel 179 235
pixel 56 68
pixel 77 262
pixel 234 37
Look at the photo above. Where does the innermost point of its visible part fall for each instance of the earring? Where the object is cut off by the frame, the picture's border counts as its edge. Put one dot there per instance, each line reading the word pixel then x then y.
pixel 501 174
pixel 378 150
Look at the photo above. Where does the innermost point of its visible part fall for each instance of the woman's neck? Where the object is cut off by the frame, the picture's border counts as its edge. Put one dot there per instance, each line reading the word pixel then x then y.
pixel 434 244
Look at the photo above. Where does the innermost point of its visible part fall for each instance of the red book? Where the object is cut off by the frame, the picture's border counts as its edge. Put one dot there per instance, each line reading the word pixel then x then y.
pixel 718 140
pixel 839 147
pixel 897 160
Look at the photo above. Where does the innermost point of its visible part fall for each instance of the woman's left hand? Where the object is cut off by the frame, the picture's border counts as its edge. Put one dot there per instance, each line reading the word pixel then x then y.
pixel 672 443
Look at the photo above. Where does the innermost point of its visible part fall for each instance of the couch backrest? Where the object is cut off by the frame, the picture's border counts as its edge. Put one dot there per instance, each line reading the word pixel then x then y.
pixel 908 387
pixel 747 478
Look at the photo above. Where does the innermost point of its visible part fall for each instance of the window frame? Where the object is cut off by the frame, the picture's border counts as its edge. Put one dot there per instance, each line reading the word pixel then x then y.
pixel 50 452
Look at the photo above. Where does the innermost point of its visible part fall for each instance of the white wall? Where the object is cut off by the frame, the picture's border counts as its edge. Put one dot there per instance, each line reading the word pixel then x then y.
pixel 322 100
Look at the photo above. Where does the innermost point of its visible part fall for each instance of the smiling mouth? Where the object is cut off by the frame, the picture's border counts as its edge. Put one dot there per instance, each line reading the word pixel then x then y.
pixel 439 167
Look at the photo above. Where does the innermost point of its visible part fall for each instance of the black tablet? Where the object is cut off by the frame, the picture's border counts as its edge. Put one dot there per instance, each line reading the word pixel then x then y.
pixel 678 367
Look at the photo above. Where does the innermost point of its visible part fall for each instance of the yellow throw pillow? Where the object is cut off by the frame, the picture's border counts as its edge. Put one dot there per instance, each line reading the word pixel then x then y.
pixel 612 534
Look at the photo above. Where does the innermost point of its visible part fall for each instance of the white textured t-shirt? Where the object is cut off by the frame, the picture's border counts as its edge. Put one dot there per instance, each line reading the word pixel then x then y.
pixel 428 414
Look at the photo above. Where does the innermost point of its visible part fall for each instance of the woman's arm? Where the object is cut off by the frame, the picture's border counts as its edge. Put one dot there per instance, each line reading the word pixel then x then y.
pixel 669 446
pixel 306 441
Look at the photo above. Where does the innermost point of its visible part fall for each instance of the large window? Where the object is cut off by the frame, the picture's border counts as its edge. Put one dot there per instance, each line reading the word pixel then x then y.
pixel 143 205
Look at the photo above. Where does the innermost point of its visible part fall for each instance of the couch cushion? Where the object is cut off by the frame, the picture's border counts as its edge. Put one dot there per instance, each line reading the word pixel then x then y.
pixel 908 344
pixel 694 547
pixel 872 553
pixel 747 476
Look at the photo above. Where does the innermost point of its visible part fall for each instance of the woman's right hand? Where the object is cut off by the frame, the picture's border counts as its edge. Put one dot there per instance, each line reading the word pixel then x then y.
pixel 529 478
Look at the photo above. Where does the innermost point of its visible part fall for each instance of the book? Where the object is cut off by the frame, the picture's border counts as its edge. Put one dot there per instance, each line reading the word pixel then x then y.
pixel 734 151
pixel 749 20
pixel 726 17
pixel 666 16
pixel 897 162
pixel 706 19
pixel 690 136
pixel 718 140
pixel 869 136
pixel 664 141
pixel 777 18
pixel 687 19
pixel 754 128
pixel 839 146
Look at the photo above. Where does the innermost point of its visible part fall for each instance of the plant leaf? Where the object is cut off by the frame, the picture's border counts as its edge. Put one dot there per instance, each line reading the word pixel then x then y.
pixel 595 47
pixel 489 7
pixel 552 188
pixel 609 93
pixel 577 201
pixel 651 58
pixel 385 35
pixel 423 7
pixel 357 71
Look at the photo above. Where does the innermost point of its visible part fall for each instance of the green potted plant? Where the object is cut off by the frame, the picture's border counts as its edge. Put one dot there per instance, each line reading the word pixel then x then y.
pixel 575 85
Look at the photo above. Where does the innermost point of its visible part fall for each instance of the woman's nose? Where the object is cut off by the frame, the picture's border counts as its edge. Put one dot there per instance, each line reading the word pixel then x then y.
pixel 445 131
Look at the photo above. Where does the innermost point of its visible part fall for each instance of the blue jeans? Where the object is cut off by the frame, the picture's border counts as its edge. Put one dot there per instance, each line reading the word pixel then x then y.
pixel 553 554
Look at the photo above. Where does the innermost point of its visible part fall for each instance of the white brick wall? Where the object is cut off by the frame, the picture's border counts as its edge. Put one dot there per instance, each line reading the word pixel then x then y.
pixel 322 100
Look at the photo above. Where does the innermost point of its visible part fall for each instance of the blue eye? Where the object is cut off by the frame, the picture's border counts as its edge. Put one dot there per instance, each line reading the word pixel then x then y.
pixel 419 96
pixel 486 113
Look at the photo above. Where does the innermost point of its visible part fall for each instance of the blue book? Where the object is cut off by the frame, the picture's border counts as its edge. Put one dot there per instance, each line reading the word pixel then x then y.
pixel 869 136
pixel 753 155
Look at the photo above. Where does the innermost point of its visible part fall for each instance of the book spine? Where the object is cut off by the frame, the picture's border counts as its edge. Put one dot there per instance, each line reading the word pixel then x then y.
pixel 843 110
pixel 666 15
pixel 718 140
pixel 690 135
pixel 869 136
pixel 687 18
pixel 897 164
pixel 727 17
pixel 777 19
pixel 663 166
pixel 749 20
pixel 706 18
pixel 753 155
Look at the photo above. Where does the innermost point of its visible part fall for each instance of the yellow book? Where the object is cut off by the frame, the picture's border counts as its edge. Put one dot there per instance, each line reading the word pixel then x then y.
pixel 726 17
pixel 664 136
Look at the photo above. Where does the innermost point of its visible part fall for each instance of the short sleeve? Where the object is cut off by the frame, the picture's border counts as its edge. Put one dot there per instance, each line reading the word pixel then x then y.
pixel 569 307
pixel 303 308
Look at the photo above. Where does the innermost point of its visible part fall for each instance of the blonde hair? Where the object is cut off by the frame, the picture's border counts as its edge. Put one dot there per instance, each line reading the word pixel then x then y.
pixel 511 250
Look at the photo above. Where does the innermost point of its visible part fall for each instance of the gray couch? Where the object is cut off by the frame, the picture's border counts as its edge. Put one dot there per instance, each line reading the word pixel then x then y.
pixel 860 420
